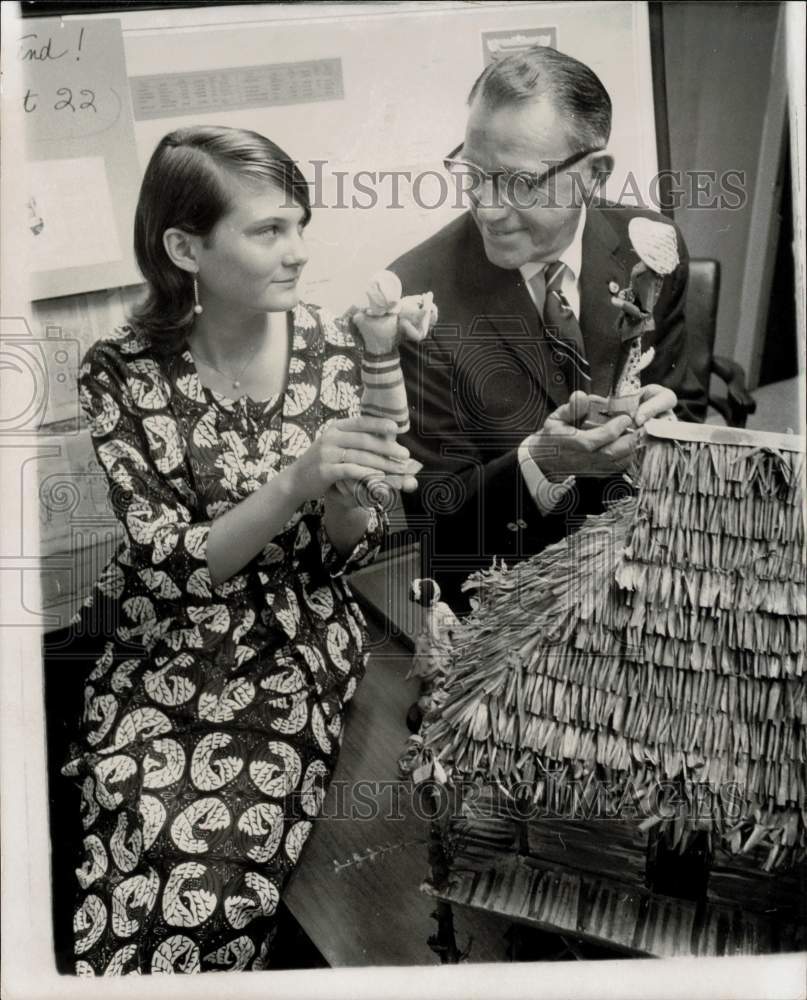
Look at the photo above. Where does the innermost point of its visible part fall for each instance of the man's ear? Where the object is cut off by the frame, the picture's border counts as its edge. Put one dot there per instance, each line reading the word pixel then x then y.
pixel 602 166
pixel 181 249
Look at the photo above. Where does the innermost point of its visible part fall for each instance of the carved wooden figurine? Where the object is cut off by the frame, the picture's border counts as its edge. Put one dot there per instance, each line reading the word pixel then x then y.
pixel 656 246
pixel 381 325
pixel 384 390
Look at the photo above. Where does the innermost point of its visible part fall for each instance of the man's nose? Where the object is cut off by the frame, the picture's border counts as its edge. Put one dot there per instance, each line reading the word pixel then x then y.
pixel 489 202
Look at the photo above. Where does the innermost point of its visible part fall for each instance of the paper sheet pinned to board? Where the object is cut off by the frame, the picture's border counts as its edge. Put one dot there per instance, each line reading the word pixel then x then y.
pixel 71 222
pixel 77 120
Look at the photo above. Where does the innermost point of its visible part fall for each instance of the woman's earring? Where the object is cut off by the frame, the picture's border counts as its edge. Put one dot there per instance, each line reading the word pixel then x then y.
pixel 197 305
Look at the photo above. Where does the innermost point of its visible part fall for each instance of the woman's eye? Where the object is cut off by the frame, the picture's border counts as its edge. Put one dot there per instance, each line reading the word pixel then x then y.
pixel 270 231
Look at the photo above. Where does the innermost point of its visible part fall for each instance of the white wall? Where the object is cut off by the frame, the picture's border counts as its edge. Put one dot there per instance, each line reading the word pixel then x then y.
pixel 407 71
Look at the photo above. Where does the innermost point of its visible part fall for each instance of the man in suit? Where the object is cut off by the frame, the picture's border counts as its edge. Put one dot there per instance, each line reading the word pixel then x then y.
pixel 500 395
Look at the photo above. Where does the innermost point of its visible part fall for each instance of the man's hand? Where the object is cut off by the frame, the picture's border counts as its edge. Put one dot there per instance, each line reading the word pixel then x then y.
pixel 656 401
pixel 565 447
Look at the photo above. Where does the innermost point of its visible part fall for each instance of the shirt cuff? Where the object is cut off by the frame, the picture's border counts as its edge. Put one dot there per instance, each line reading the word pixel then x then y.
pixel 363 552
pixel 547 495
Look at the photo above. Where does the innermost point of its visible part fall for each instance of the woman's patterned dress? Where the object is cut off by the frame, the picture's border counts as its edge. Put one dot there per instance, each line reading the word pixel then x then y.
pixel 203 761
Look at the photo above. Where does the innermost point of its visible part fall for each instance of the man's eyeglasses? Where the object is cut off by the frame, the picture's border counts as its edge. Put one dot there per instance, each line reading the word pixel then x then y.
pixel 520 188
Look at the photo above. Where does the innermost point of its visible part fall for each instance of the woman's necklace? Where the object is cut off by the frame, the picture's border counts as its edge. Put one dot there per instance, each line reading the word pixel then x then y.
pixel 235 379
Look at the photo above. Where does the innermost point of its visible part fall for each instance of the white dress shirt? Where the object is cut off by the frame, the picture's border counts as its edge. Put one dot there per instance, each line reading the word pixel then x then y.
pixel 548 495
pixel 572 257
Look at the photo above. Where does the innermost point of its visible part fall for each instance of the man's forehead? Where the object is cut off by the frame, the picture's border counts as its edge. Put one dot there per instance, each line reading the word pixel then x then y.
pixel 516 136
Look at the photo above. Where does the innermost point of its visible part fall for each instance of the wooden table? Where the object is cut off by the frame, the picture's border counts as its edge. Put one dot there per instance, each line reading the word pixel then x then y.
pixel 357 891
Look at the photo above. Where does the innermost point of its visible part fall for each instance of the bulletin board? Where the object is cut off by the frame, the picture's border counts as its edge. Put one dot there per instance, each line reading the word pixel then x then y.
pixel 83 171
pixel 369 98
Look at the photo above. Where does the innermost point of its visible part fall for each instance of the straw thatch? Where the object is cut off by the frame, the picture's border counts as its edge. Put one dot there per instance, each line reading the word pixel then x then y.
pixel 660 647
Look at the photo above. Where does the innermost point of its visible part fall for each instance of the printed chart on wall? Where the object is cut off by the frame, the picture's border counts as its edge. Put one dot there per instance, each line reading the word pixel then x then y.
pixel 369 98
pixel 83 171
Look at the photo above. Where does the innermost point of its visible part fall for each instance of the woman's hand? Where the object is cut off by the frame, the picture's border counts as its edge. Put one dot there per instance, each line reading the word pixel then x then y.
pixel 350 452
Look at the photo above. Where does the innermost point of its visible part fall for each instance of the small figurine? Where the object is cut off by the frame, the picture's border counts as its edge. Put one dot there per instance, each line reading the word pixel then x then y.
pixel 429 663
pixel 381 325
pixel 432 648
pixel 384 391
pixel 656 246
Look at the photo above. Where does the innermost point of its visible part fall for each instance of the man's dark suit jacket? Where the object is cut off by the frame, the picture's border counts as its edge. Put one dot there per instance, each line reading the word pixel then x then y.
pixel 486 378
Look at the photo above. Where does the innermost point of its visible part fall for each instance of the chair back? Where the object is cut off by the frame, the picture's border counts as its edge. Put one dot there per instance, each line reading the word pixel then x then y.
pixel 703 293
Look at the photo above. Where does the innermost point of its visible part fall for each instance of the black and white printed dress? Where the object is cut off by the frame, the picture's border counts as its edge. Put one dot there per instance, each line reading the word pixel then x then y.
pixel 203 761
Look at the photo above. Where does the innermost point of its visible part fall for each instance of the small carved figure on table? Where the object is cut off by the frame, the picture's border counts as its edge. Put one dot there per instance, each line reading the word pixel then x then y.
pixel 432 651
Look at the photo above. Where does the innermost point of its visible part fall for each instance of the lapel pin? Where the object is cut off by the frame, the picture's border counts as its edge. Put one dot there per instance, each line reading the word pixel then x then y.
pixel 613 287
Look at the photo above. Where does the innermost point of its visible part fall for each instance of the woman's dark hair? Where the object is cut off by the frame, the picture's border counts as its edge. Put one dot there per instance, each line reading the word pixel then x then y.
pixel 574 90
pixel 185 186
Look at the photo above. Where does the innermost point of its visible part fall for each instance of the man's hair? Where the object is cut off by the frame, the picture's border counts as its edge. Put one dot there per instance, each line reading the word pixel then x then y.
pixel 574 91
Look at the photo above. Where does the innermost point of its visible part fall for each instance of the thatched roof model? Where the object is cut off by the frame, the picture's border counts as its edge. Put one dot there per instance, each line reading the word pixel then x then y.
pixel 661 647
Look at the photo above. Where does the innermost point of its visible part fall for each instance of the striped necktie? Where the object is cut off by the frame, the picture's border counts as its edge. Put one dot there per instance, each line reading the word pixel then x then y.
pixel 563 330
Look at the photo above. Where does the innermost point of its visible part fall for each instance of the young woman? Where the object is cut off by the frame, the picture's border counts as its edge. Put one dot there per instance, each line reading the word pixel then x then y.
pixel 226 417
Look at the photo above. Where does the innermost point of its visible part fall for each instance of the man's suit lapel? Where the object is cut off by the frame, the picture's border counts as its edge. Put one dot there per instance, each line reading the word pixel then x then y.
pixel 506 307
pixel 504 304
pixel 606 259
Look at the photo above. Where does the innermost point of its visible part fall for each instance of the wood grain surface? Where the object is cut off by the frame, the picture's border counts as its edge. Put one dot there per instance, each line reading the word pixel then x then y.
pixel 357 892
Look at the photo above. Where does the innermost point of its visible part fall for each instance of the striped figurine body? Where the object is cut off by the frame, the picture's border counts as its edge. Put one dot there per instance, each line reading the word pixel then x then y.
pixel 384 392
pixel 388 317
